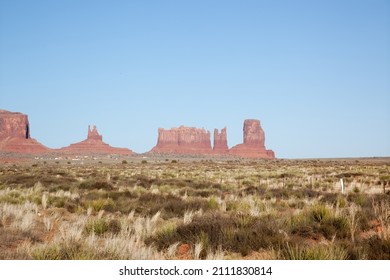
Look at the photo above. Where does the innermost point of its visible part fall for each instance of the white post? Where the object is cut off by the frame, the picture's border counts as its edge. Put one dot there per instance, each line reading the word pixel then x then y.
pixel 342 185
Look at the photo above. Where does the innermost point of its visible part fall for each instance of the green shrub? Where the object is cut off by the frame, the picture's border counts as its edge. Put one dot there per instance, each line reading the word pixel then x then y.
pixel 97 226
pixel 320 213
pixel 356 189
pixel 359 199
pixel 213 204
pixel 377 248
pixel 320 220
pixel 335 226
pixel 341 201
pixel 164 236
pixel 63 251
pixel 101 204
pixel 203 239
pixel 57 201
pixel 241 234
pixel 91 185
pixel 12 197
pixel 295 252
pixel 114 226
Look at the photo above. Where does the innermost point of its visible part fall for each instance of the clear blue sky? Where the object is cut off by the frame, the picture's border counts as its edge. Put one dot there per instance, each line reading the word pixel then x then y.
pixel 316 73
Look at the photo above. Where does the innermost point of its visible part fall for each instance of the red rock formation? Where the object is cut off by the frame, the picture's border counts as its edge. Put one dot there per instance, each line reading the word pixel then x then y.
pixel 254 142
pixel 220 142
pixel 93 145
pixel 14 125
pixel 15 137
pixel 15 134
pixel 94 134
pixel 253 133
pixel 183 140
pixel 270 153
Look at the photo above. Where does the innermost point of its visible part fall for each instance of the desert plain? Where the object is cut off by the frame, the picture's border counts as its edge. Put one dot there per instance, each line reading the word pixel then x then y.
pixel 183 207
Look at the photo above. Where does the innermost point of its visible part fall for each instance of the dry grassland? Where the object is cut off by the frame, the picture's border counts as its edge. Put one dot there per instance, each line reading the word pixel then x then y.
pixel 209 209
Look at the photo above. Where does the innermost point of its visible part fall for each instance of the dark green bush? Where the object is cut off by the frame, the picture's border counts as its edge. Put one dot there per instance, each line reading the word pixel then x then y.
pixel 377 248
pixel 97 226
pixel 91 185
pixel 237 233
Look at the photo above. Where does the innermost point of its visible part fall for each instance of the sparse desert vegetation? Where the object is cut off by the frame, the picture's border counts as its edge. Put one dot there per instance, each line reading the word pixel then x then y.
pixel 195 209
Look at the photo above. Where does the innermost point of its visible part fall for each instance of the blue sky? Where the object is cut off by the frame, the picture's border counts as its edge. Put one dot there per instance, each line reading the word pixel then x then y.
pixel 316 73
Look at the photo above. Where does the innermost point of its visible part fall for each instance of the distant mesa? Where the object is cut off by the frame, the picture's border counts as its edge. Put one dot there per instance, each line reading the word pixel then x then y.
pixel 254 142
pixel 183 140
pixel 15 137
pixel 15 134
pixel 94 145
pixel 191 140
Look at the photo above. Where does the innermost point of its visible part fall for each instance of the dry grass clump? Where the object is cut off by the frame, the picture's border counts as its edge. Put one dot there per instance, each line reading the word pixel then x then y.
pixel 382 213
pixel 100 238
pixel 321 252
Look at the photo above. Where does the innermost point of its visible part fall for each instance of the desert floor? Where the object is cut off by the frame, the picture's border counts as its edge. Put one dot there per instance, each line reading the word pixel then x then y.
pixel 166 207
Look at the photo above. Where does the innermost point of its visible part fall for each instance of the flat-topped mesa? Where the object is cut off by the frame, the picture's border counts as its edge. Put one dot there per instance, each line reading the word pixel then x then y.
pixel 14 125
pixel 15 134
pixel 94 145
pixel 183 140
pixel 220 142
pixel 254 142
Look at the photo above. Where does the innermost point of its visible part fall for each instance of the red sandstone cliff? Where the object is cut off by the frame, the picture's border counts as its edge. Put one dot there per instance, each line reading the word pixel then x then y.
pixel 94 145
pixel 191 140
pixel 183 140
pixel 15 137
pixel 15 134
pixel 93 134
pixel 220 142
pixel 254 142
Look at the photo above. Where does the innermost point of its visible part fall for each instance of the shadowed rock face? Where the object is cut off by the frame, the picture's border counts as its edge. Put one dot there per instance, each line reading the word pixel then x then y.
pixel 254 142
pixel 14 125
pixel 220 142
pixel 15 134
pixel 93 145
pixel 183 140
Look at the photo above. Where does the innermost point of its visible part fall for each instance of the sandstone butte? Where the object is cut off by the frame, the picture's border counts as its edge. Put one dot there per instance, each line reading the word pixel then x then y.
pixel 191 140
pixel 183 140
pixel 93 145
pixel 15 137
pixel 15 134
pixel 254 142
pixel 220 142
